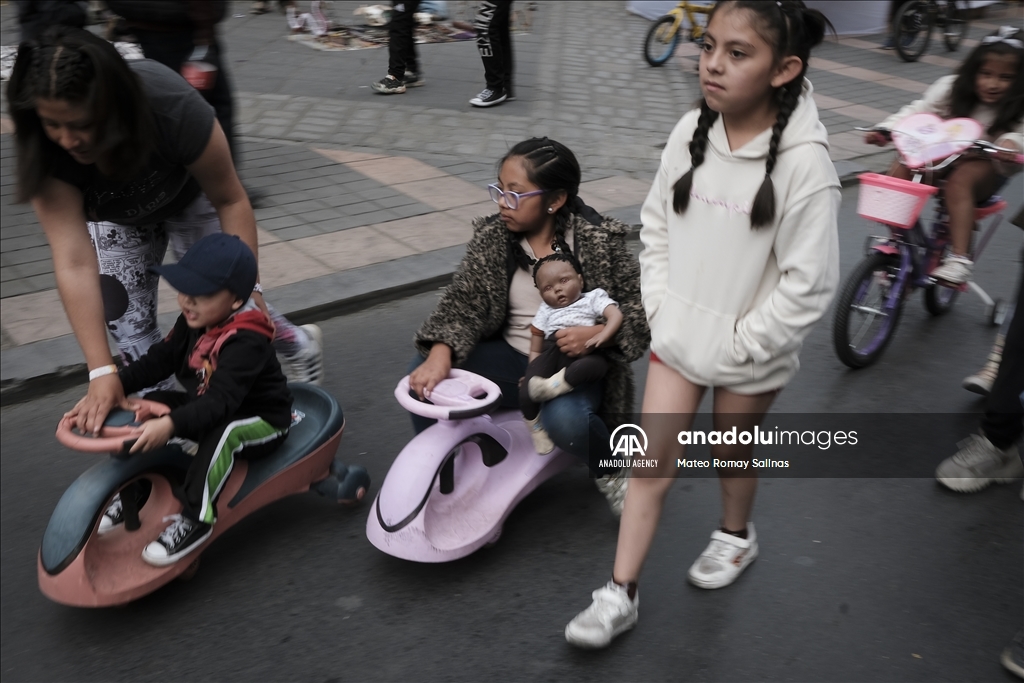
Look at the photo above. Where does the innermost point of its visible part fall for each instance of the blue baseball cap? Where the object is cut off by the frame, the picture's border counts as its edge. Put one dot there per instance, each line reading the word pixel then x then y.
pixel 213 263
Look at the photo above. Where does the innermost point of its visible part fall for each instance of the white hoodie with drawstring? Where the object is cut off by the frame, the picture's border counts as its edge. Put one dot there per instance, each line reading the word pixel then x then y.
pixel 729 305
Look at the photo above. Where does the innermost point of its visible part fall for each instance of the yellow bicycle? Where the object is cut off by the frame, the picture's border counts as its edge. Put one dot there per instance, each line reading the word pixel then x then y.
pixel 663 37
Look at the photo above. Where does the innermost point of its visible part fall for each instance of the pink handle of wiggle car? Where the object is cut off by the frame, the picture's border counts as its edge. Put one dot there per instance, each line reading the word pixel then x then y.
pixel 110 439
pixel 463 394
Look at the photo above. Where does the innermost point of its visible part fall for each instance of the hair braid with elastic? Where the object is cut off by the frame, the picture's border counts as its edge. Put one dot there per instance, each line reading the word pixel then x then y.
pixel 762 213
pixel 698 147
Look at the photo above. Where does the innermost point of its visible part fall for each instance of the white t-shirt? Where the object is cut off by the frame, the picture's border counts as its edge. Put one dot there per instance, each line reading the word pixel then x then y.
pixel 583 312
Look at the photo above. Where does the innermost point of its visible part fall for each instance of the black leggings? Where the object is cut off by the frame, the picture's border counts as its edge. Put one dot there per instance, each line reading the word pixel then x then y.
pixel 494 42
pixel 1003 422
pixel 578 371
pixel 402 40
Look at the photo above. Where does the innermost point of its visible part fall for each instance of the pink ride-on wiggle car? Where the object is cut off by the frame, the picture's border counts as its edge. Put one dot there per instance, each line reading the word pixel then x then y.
pixel 80 567
pixel 451 488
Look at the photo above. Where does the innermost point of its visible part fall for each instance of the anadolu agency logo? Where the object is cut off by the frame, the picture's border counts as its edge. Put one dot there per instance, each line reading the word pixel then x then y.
pixel 628 444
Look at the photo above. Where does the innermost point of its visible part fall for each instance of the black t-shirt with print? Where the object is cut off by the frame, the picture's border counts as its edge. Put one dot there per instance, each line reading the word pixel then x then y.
pixel 184 123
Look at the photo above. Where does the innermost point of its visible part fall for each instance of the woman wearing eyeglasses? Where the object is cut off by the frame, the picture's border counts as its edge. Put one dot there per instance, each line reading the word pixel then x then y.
pixel 482 323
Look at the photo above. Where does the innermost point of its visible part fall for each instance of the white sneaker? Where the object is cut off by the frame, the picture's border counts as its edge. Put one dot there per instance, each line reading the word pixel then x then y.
pixel 954 269
pixel 611 613
pixel 541 441
pixel 547 388
pixel 977 464
pixel 724 559
pixel 614 487
pixel 308 364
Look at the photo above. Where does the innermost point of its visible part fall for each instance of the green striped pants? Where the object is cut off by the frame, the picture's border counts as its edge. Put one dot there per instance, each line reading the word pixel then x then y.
pixel 249 438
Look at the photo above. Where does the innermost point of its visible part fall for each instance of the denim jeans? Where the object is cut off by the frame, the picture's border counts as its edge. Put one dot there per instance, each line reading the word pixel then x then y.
pixel 571 420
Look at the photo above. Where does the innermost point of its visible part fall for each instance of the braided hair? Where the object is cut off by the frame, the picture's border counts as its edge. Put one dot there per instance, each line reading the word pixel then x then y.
pixel 552 166
pixel 73 65
pixel 792 30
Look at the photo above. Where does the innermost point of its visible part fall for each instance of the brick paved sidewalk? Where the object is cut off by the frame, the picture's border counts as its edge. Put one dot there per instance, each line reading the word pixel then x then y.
pixel 361 194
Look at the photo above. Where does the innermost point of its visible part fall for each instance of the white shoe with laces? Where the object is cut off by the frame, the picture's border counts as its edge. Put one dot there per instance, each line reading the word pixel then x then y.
pixel 724 559
pixel 611 613
pixel 977 464
pixel 614 487
pixel 954 269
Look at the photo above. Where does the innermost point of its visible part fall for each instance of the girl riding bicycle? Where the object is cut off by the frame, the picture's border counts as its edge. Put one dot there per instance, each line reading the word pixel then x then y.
pixel 732 281
pixel 988 87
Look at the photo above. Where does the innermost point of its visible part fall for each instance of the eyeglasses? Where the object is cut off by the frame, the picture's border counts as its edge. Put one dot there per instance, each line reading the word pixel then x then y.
pixel 511 198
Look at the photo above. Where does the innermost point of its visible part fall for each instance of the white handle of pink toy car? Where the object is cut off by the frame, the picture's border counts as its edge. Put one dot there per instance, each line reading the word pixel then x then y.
pixel 462 395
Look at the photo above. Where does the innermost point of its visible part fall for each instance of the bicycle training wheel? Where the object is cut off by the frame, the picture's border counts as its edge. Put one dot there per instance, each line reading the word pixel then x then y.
pixel 661 41
pixel 955 27
pixel 912 30
pixel 865 317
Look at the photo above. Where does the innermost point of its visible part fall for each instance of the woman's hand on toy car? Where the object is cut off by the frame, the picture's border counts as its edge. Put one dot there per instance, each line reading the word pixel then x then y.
pixel 572 341
pixel 153 434
pixel 105 394
pixel 423 379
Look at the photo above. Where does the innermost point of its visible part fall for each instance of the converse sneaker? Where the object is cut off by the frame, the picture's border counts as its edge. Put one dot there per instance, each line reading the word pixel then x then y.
pixel 724 559
pixel 981 382
pixel 389 85
pixel 614 487
pixel 308 364
pixel 488 98
pixel 182 536
pixel 541 441
pixel 412 79
pixel 611 613
pixel 113 517
pixel 955 270
pixel 547 388
pixel 977 464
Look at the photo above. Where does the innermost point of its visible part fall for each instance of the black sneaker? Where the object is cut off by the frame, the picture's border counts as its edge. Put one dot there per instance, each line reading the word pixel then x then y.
pixel 181 537
pixel 389 85
pixel 113 517
pixel 413 79
pixel 489 98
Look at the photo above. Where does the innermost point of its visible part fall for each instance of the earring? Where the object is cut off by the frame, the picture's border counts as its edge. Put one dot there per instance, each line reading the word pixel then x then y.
pixel 551 210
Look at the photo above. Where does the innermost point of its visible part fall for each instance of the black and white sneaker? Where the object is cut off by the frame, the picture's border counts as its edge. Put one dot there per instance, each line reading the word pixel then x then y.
pixel 182 536
pixel 488 98
pixel 413 79
pixel 113 517
pixel 389 85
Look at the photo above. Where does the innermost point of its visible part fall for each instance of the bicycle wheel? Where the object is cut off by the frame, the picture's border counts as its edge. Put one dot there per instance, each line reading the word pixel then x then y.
pixel 661 41
pixel 955 27
pixel 938 299
pixel 912 30
pixel 862 327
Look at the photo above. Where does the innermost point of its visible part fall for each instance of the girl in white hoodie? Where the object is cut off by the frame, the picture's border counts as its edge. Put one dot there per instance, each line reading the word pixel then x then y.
pixel 740 259
pixel 988 87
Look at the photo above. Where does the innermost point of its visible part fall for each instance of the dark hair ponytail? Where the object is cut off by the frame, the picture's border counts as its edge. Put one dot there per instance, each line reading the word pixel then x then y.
pixel 551 166
pixel 72 64
pixel 792 30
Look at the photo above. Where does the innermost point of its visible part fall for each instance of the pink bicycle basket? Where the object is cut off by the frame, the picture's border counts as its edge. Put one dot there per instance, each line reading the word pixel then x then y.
pixel 890 200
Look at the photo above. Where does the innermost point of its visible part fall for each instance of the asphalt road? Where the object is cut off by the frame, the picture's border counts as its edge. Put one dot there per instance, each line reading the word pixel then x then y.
pixel 858 579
